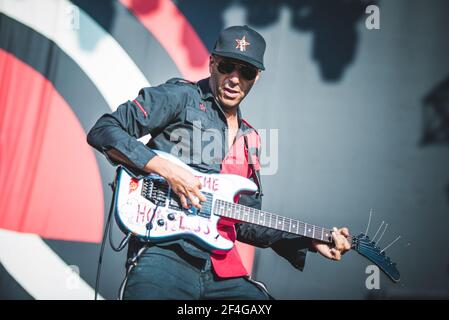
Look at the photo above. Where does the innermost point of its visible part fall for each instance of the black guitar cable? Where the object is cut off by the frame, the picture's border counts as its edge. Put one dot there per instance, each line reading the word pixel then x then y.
pixel 108 229
pixel 103 241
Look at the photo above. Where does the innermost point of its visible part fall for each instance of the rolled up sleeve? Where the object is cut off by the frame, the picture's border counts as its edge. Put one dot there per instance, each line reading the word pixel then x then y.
pixel 152 110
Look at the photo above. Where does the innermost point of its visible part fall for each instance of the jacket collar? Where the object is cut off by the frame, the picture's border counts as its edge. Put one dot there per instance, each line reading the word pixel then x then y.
pixel 206 94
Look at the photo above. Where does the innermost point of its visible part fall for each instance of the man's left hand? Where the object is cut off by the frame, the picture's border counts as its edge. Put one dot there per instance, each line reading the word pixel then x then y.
pixel 335 250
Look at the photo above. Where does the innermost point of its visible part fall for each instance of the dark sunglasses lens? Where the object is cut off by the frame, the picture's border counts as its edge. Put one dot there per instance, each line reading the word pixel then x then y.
pixel 226 67
pixel 248 73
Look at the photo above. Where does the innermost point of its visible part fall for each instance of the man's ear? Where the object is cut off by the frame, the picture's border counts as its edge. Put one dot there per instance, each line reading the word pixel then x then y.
pixel 211 61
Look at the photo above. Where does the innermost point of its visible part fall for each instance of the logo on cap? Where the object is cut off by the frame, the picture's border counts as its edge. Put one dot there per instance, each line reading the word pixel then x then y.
pixel 241 44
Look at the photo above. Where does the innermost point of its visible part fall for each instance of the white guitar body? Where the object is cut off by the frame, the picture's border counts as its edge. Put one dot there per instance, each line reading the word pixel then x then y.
pixel 147 215
pixel 147 209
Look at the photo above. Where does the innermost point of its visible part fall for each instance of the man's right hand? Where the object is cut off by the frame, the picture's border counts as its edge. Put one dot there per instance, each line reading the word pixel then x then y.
pixel 182 181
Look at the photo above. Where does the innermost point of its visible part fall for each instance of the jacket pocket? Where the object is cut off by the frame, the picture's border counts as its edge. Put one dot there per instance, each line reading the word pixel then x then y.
pixel 198 119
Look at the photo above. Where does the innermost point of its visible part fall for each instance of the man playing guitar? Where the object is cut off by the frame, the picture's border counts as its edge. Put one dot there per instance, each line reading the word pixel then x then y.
pixel 172 113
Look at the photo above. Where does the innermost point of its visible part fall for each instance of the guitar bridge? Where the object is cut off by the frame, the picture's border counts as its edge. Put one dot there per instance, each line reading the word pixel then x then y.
pixel 155 190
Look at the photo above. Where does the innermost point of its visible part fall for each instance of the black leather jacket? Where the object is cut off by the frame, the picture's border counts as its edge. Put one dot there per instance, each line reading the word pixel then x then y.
pixel 181 105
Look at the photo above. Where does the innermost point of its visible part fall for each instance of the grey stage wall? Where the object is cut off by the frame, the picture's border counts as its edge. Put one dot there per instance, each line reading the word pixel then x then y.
pixel 354 134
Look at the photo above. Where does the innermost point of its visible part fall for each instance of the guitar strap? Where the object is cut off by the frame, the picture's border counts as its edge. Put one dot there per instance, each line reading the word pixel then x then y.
pixel 255 173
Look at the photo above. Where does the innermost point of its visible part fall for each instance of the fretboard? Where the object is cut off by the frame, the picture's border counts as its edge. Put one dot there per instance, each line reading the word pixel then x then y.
pixel 271 220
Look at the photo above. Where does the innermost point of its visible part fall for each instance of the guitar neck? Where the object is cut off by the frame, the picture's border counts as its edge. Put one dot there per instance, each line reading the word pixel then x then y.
pixel 262 218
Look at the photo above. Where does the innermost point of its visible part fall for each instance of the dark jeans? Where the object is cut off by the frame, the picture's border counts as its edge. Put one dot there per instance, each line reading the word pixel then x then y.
pixel 170 273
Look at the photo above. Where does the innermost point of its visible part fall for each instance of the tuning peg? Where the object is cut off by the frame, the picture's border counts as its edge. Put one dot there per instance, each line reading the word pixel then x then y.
pixel 384 249
pixel 377 232
pixel 369 221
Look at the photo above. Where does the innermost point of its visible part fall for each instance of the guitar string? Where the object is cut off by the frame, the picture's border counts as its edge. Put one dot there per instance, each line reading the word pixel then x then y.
pixel 299 225
pixel 273 217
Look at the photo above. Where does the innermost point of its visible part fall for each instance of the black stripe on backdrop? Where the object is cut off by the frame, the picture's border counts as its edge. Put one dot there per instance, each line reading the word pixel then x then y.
pixel 143 48
pixel 78 90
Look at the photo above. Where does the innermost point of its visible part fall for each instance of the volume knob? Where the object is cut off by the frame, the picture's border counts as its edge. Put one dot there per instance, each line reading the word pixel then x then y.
pixel 160 222
pixel 171 216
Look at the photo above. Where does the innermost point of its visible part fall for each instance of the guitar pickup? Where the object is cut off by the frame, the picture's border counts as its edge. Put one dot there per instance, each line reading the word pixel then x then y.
pixel 206 207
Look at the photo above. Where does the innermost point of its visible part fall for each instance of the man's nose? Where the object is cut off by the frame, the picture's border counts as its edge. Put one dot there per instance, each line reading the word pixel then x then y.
pixel 234 77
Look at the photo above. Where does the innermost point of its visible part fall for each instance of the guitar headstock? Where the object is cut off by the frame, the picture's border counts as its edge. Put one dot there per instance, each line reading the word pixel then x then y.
pixel 367 248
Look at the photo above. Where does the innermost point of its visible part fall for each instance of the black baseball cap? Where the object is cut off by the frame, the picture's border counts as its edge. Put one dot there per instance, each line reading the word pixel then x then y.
pixel 242 43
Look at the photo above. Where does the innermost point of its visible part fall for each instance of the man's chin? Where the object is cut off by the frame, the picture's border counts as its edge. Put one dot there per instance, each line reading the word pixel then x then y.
pixel 229 103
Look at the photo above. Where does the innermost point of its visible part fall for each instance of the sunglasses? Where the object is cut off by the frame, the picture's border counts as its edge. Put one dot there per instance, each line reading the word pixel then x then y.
pixel 228 66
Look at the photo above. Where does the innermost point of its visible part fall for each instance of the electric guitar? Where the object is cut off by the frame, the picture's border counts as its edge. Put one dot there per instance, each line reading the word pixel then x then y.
pixel 148 209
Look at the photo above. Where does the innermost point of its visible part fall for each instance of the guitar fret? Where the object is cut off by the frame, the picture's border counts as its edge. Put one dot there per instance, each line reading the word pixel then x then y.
pixel 270 220
pixel 328 235
pixel 302 228
pixel 258 217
